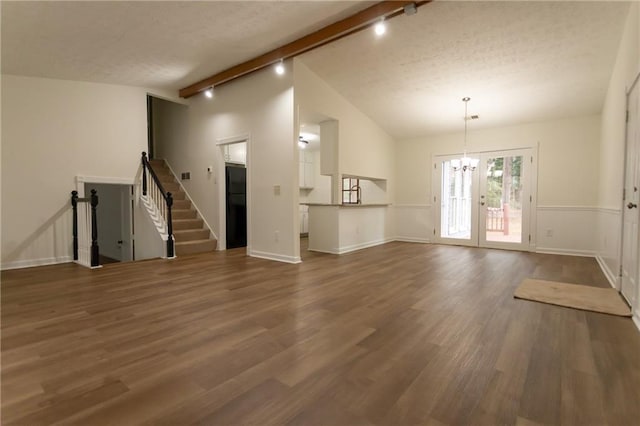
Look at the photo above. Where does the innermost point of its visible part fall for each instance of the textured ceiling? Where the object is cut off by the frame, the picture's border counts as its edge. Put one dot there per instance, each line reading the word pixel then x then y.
pixel 518 61
pixel 152 44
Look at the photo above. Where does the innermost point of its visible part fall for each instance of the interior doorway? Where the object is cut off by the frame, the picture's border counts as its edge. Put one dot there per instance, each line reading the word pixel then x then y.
pixel 487 206
pixel 629 264
pixel 234 193
pixel 236 205
pixel 115 221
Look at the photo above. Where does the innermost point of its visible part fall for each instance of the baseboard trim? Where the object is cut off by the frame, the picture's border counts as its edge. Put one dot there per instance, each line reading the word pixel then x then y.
pixel 565 252
pixel 356 247
pixel 19 264
pixel 412 206
pixel 412 240
pixel 274 256
pixel 567 208
pixel 607 272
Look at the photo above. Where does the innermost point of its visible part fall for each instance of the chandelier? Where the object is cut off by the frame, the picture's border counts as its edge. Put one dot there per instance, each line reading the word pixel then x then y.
pixel 465 163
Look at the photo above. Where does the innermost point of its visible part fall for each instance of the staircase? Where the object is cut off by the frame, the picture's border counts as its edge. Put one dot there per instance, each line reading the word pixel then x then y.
pixel 188 229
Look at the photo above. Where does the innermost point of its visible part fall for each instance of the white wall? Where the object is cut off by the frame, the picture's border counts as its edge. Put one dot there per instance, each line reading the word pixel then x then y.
pixel 373 191
pixel 170 128
pixel 612 148
pixel 567 178
pixel 260 106
pixel 362 227
pixel 53 131
pixel 364 148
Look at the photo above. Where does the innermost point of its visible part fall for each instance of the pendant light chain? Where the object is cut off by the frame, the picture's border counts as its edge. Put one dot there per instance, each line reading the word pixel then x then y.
pixel 465 163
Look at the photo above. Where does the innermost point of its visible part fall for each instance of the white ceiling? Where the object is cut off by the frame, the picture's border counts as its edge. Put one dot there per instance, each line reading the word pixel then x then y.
pixel 518 61
pixel 160 44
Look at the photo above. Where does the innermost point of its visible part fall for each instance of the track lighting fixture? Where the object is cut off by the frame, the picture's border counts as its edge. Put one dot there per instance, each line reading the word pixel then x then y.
pixel 410 9
pixel 280 67
pixel 209 93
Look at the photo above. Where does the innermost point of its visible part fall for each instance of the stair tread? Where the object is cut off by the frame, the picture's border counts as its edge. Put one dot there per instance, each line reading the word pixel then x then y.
pixel 194 242
pixel 188 228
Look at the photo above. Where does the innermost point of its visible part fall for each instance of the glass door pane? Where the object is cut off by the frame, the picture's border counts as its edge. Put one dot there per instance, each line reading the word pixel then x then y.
pixel 505 199
pixel 456 203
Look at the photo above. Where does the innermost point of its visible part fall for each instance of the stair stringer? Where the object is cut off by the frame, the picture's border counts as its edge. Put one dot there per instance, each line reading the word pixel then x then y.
pixel 158 221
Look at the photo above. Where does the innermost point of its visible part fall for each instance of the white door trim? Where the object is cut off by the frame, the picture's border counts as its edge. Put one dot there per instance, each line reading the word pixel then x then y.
pixel 220 166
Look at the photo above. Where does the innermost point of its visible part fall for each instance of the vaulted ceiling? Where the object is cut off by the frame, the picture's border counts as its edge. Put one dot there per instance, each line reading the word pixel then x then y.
pixel 518 61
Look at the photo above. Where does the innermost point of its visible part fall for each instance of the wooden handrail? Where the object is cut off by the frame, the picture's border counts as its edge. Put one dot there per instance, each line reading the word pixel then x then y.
pixel 147 166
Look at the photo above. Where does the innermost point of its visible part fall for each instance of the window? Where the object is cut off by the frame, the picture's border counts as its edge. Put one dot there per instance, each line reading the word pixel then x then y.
pixel 351 191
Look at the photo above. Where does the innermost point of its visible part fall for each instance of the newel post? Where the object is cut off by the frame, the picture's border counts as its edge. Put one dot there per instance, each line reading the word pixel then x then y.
pixel 170 248
pixel 95 252
pixel 144 173
pixel 74 207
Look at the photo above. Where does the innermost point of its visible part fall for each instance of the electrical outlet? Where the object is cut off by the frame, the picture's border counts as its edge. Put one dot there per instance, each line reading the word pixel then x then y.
pixel 276 236
pixel 549 232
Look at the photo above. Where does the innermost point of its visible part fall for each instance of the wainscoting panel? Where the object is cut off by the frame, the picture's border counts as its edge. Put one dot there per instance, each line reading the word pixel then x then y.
pixel 566 230
pixel 362 227
pixel 414 222
pixel 609 223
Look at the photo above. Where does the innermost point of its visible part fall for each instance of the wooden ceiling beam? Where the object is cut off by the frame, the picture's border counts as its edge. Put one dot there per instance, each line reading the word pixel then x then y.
pixel 332 32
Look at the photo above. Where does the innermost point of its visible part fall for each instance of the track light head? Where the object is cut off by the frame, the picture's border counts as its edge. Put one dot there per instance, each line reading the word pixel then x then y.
pixel 280 67
pixel 380 28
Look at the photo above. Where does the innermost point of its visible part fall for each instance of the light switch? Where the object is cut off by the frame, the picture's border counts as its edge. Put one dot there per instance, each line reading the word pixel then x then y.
pixel 276 189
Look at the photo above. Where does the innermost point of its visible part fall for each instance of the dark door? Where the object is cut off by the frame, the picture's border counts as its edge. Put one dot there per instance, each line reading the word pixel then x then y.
pixel 150 142
pixel 236 184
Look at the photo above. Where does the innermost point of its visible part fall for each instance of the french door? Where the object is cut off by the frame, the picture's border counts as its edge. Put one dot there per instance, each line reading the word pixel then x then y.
pixel 489 206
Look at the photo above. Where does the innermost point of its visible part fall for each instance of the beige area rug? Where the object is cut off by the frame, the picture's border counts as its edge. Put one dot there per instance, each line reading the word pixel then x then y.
pixel 604 300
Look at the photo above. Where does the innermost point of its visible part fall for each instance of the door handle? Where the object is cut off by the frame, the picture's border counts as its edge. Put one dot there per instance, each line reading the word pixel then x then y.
pixel 631 205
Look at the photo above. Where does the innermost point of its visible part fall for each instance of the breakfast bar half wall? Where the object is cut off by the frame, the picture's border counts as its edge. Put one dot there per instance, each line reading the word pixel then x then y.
pixel 342 228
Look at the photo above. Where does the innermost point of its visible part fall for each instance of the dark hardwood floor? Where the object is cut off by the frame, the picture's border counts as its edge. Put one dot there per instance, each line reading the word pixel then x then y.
pixel 398 334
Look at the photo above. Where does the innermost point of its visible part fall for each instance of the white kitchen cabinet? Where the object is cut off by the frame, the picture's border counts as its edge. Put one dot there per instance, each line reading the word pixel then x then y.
pixel 304 219
pixel 306 169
